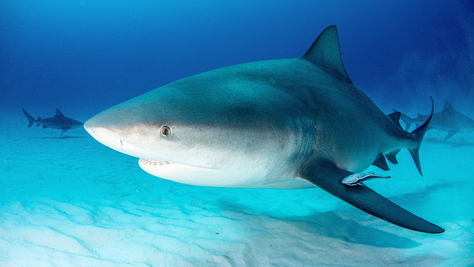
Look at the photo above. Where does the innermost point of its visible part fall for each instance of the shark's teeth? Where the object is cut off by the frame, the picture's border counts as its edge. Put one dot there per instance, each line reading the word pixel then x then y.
pixel 153 162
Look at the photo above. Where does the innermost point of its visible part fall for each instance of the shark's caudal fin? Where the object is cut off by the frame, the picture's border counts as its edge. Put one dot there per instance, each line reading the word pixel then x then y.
pixel 28 116
pixel 419 133
pixel 326 52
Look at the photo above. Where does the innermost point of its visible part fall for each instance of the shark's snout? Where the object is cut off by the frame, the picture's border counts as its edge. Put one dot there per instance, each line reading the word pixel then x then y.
pixel 103 135
pixel 120 138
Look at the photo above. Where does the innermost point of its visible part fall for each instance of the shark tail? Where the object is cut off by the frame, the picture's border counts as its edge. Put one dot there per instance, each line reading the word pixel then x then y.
pixel 418 134
pixel 28 116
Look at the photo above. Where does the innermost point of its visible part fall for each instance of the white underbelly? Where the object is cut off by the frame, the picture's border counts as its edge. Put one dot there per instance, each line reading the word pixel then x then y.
pixel 248 178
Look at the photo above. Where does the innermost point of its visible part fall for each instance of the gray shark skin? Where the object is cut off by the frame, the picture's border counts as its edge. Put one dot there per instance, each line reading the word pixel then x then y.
pixel 448 120
pixel 59 121
pixel 289 123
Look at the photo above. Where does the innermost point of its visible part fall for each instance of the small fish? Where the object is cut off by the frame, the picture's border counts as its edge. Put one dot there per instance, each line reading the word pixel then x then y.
pixel 358 178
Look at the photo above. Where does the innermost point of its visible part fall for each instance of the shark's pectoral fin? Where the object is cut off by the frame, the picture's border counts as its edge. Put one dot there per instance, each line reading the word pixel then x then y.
pixel 328 177
pixel 65 129
pixel 450 134
pixel 44 127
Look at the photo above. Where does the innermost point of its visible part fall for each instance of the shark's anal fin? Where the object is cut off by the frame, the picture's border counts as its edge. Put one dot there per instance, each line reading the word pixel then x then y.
pixel 328 177
pixel 392 156
pixel 381 162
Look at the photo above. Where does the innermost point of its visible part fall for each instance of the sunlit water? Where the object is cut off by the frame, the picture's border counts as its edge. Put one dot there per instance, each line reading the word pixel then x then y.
pixel 70 201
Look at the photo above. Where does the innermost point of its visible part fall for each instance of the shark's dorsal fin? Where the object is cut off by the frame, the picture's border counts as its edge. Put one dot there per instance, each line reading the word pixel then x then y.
pixel 395 118
pixel 448 107
pixel 326 52
pixel 58 113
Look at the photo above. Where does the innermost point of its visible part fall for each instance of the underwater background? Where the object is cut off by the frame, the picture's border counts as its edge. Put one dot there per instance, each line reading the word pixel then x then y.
pixel 67 200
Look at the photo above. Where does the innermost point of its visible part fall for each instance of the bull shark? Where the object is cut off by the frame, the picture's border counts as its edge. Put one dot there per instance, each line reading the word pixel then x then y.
pixel 448 120
pixel 59 121
pixel 287 124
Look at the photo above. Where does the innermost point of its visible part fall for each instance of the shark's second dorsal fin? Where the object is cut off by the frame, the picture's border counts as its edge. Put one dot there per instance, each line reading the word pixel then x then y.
pixel 58 113
pixel 395 117
pixel 326 52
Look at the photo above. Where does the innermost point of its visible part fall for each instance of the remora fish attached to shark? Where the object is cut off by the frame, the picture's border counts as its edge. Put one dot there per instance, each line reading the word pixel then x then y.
pixel 59 121
pixel 448 120
pixel 290 123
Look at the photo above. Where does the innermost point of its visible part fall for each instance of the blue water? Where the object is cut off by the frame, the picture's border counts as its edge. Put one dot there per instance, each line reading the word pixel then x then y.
pixel 86 56
pixel 94 54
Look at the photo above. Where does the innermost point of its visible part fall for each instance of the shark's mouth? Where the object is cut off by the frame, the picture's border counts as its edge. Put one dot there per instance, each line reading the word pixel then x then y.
pixel 151 164
pixel 154 162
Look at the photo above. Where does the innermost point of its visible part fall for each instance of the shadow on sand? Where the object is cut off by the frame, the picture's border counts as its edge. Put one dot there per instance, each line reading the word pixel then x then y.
pixel 59 137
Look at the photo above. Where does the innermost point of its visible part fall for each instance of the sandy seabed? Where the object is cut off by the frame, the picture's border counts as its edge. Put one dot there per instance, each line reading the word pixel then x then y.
pixel 70 201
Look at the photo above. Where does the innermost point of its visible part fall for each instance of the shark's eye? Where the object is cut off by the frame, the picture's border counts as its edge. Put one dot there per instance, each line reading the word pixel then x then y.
pixel 166 131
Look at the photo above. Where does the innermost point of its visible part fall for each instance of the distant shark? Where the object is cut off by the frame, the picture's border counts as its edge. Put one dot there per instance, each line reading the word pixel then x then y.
pixel 448 120
pixel 59 121
pixel 290 123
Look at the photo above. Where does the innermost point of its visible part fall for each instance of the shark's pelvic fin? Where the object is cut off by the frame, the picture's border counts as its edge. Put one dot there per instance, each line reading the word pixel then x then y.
pixel 326 52
pixel 450 134
pixel 328 177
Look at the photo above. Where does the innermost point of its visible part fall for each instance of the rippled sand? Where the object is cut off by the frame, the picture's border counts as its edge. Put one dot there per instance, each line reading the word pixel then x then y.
pixel 70 201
